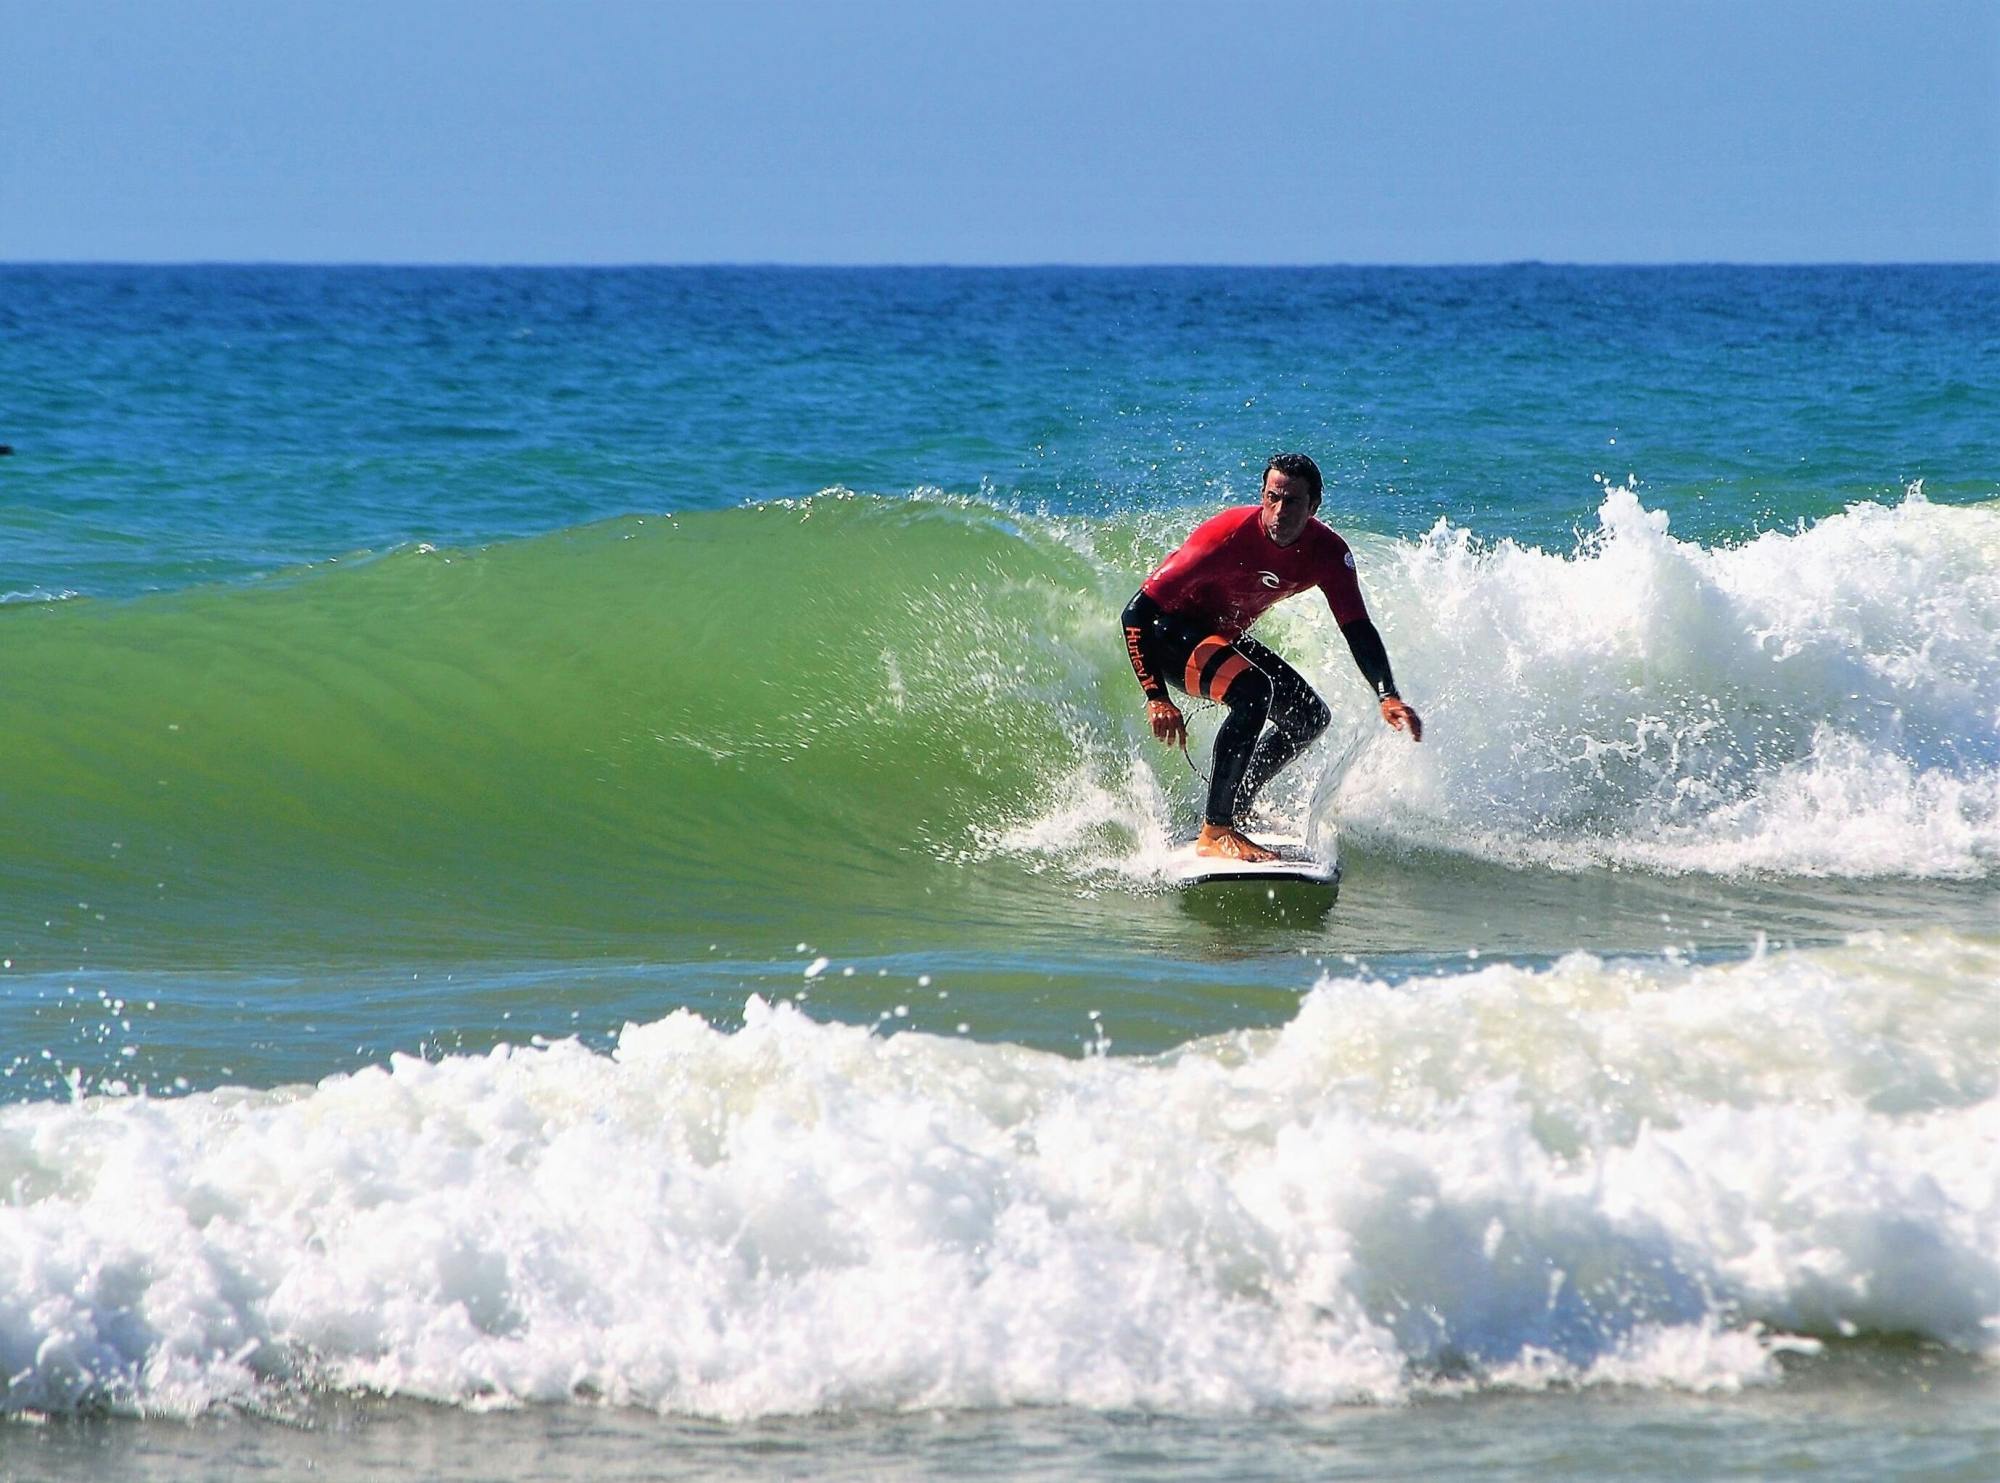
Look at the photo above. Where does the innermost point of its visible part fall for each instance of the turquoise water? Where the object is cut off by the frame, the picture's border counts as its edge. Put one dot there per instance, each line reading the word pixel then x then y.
pixel 584 841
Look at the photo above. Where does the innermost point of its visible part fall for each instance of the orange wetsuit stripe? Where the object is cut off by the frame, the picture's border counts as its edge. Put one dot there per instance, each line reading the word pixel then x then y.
pixel 1228 670
pixel 1198 661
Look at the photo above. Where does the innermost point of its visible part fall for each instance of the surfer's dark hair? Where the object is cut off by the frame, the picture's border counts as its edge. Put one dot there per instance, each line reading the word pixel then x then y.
pixel 1294 466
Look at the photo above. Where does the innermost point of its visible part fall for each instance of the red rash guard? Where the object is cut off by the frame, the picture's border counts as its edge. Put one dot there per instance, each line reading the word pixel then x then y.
pixel 1230 572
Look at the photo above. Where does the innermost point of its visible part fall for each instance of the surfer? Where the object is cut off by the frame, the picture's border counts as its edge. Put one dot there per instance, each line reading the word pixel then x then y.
pixel 1186 627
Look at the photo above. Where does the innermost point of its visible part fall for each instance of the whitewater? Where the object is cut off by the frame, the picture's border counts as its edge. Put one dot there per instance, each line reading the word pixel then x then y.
pixel 1652 1173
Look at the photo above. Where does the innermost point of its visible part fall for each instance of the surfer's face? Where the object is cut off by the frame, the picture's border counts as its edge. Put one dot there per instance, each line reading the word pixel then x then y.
pixel 1288 505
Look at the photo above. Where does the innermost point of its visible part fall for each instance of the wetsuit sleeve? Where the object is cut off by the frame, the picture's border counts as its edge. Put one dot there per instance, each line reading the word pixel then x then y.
pixel 1142 644
pixel 1370 656
pixel 1342 588
pixel 1364 641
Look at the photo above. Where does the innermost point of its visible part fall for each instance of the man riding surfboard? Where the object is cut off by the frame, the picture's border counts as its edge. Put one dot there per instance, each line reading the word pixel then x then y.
pixel 1186 627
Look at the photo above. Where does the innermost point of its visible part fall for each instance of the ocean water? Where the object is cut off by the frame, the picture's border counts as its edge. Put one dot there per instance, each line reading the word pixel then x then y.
pixel 581 878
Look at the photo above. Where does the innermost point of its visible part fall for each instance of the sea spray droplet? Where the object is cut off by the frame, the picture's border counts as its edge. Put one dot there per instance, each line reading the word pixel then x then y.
pixel 816 967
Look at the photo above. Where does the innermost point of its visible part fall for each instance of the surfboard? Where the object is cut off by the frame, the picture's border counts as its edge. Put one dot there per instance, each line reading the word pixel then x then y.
pixel 1296 865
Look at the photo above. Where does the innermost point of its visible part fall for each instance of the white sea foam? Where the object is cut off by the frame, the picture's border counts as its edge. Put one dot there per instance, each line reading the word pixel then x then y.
pixel 1824 702
pixel 1642 1172
pixel 1096 830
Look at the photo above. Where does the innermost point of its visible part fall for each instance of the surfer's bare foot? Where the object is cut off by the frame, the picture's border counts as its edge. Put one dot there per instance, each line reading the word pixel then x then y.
pixel 1222 843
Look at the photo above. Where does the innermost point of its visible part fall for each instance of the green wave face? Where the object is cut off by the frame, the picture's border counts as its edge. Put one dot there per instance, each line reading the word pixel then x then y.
pixel 867 724
pixel 641 733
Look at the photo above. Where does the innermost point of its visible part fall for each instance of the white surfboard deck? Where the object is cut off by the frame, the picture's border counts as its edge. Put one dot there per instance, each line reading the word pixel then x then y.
pixel 1295 864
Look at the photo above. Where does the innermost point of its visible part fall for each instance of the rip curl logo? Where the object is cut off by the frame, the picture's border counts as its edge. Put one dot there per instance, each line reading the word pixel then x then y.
pixel 1270 579
pixel 1349 559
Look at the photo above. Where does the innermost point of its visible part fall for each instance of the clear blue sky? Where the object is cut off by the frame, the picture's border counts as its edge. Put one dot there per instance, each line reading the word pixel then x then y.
pixel 1007 131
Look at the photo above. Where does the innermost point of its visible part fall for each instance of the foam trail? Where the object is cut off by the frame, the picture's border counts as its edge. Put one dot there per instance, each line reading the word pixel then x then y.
pixel 1648 1172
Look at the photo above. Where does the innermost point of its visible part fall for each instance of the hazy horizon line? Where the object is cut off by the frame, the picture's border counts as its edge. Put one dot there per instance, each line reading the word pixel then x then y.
pixel 799 265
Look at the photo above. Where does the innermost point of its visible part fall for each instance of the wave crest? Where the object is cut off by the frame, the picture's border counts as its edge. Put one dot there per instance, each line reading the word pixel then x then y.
pixel 1643 1172
pixel 1820 702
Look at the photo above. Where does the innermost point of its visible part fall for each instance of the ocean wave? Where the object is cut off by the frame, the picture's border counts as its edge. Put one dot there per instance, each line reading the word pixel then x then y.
pixel 1645 1172
pixel 653 721
pixel 555 734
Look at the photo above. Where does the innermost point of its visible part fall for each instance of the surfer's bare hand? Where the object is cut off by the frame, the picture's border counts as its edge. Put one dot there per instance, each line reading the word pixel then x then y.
pixel 1402 718
pixel 1168 724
